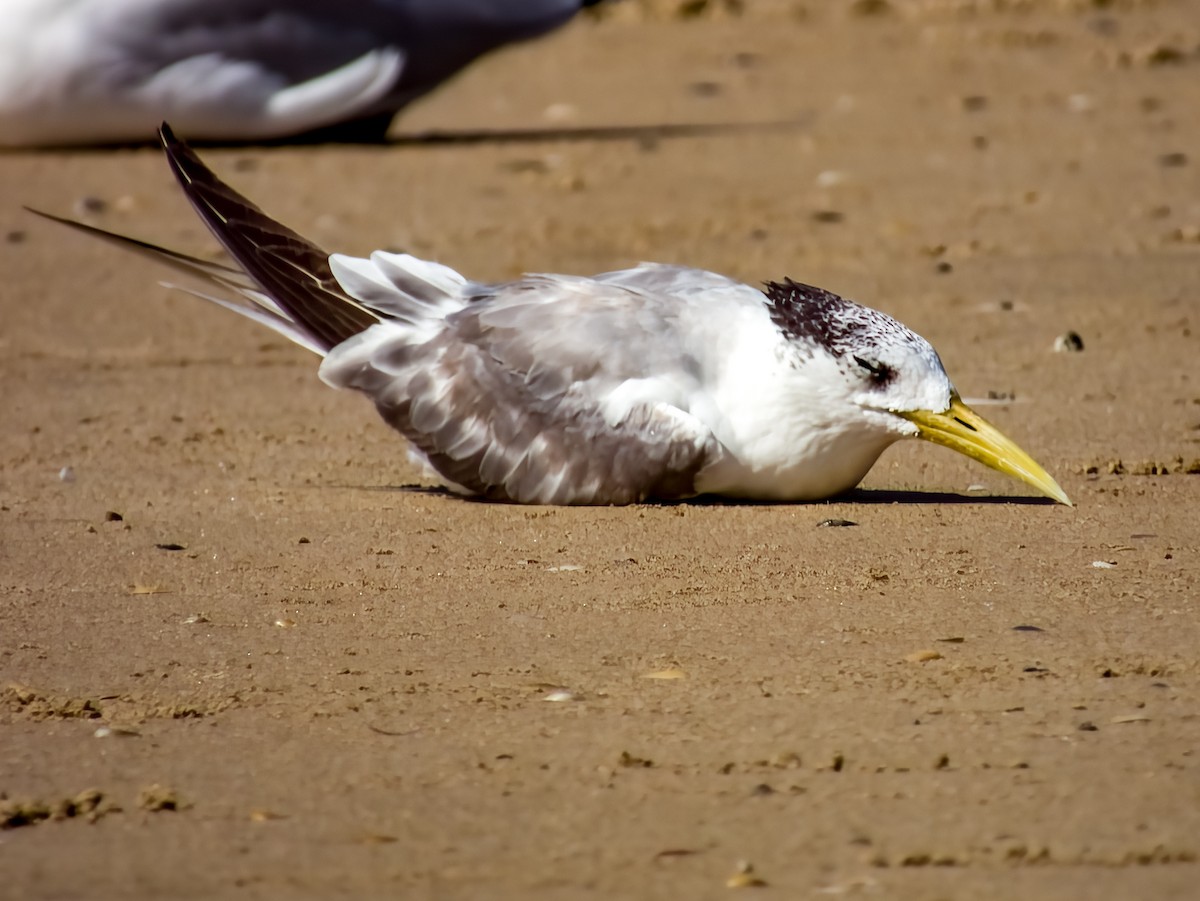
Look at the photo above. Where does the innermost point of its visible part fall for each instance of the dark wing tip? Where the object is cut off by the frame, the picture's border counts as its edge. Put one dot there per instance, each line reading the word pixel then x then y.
pixel 185 164
pixel 45 215
pixel 292 270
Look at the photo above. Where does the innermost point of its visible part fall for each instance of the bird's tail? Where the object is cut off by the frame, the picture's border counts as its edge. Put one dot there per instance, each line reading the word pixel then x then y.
pixel 284 281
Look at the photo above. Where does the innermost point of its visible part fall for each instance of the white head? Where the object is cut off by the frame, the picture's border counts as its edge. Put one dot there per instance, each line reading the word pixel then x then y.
pixel 891 378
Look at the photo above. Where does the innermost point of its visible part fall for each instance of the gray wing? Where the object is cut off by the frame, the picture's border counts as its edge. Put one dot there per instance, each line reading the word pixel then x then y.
pixel 261 68
pixel 551 389
pixel 219 69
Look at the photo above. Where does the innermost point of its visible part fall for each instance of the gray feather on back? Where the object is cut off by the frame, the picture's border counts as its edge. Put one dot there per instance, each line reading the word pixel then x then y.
pixel 509 398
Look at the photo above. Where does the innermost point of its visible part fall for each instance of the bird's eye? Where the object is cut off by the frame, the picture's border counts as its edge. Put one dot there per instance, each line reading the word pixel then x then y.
pixel 879 372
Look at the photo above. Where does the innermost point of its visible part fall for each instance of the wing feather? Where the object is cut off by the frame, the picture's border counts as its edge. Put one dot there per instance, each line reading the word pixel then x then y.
pixel 291 269
pixel 513 396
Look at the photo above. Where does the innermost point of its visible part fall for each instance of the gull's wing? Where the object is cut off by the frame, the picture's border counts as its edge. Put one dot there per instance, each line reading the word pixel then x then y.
pixel 111 70
pixel 230 69
pixel 550 389
pixel 94 71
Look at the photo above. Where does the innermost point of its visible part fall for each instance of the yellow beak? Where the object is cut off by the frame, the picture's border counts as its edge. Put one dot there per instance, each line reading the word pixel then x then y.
pixel 962 429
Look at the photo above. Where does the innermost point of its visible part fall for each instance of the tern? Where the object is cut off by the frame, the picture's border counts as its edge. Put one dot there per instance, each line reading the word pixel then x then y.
pixel 108 71
pixel 652 383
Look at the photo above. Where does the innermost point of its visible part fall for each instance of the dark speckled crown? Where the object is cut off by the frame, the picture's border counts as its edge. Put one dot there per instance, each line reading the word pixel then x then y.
pixel 821 318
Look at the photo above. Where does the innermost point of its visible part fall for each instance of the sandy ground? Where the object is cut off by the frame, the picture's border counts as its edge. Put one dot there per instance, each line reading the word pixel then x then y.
pixel 340 685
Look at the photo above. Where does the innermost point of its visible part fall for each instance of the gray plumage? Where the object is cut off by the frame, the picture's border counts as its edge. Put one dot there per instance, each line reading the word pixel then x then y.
pixel 102 71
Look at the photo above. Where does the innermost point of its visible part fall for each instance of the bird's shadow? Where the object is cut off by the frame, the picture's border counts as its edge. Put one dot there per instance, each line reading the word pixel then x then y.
pixel 895 496
pixel 370 133
pixel 646 135
pixel 865 496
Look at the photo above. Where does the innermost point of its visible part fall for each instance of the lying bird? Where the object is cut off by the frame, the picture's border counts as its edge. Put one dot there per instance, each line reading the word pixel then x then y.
pixel 656 382
pixel 108 71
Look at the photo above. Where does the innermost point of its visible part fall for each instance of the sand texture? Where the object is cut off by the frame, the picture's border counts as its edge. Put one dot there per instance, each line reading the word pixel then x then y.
pixel 246 652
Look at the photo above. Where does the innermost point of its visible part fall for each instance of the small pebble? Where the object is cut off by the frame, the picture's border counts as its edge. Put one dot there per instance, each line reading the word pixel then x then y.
pixel 115 732
pixel 90 206
pixel 1069 342
pixel 836 523
pixel 66 474
pixel 705 88
pixel 159 797
pixel 1104 564
pixel 745 877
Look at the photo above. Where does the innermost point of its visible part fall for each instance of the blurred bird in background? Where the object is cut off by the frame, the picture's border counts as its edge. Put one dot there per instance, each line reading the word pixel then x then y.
pixel 108 71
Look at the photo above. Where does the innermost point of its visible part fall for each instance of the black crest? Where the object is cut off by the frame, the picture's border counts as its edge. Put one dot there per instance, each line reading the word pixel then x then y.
pixel 814 315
